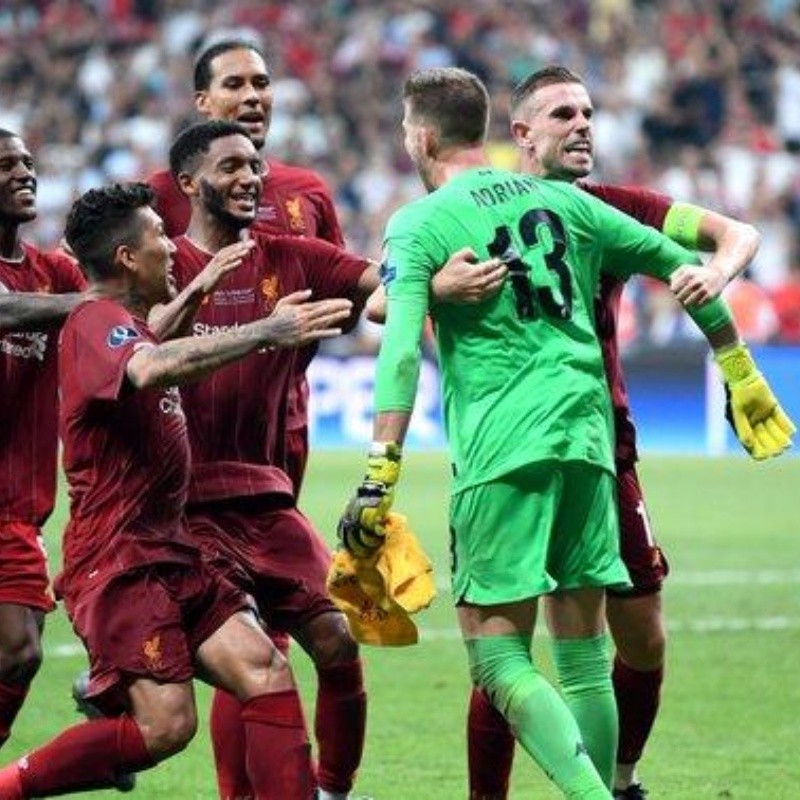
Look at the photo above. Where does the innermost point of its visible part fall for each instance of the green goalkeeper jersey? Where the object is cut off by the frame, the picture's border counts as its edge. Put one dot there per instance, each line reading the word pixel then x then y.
pixel 522 373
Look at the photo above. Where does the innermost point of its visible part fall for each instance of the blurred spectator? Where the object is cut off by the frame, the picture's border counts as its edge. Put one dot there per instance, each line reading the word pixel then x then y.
pixel 786 302
pixel 751 306
pixel 697 98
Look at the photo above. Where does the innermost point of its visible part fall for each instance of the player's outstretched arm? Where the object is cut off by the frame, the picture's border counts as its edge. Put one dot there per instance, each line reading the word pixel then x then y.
pixel 26 311
pixel 173 319
pixel 733 243
pixel 761 425
pixel 293 323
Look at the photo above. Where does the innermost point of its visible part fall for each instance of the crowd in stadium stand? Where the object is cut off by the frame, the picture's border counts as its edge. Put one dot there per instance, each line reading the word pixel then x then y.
pixel 698 99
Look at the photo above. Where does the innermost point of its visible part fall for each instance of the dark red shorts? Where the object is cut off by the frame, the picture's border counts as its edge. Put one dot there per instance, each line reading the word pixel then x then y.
pixel 646 563
pixel 149 623
pixel 297 456
pixel 23 567
pixel 272 553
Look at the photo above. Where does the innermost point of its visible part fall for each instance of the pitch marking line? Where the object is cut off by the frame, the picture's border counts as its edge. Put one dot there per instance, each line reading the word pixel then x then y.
pixel 709 625
pixel 722 577
pixel 715 577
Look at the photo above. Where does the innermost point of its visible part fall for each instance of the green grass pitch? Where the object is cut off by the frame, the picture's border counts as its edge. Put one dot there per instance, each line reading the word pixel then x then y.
pixel 731 704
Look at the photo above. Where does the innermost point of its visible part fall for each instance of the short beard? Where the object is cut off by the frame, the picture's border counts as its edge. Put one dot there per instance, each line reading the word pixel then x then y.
pixel 214 203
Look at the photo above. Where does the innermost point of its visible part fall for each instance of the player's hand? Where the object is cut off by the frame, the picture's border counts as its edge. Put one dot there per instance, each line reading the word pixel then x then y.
pixel 225 260
pixel 362 526
pixel 295 322
pixel 694 285
pixel 465 280
pixel 760 423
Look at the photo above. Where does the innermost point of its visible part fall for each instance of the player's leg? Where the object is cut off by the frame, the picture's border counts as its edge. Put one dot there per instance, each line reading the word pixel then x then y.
pixel 500 547
pixel 584 560
pixel 233 542
pixel 341 708
pixel 228 741
pixel 498 640
pixel 25 597
pixel 637 627
pixel 132 625
pixel 160 722
pixel 239 658
pixel 580 653
pixel 490 749
pixel 307 612
pixel 20 658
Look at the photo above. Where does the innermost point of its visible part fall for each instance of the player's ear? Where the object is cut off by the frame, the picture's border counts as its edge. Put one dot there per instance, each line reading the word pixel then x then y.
pixel 187 183
pixel 521 133
pixel 124 258
pixel 429 141
pixel 202 102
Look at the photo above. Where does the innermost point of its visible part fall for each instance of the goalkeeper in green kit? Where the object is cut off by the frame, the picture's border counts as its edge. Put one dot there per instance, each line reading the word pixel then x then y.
pixel 527 414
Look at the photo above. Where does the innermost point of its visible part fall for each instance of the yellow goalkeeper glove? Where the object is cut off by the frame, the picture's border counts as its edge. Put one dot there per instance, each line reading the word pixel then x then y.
pixel 761 425
pixel 362 527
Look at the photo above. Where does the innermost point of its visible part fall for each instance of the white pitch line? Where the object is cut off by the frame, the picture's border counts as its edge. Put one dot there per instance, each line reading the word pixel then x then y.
pixel 432 634
pixel 713 577
pixel 720 577
pixel 736 577
pixel 702 626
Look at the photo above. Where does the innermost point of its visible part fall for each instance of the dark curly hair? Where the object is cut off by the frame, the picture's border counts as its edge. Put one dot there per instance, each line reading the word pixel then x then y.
pixel 101 220
pixel 193 142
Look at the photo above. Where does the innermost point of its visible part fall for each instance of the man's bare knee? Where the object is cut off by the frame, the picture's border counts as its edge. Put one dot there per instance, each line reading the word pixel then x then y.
pixel 637 626
pixel 168 734
pixel 20 659
pixel 20 643
pixel 328 641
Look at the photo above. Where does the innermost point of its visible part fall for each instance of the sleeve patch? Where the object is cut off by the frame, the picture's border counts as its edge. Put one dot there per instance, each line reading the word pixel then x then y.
pixel 120 335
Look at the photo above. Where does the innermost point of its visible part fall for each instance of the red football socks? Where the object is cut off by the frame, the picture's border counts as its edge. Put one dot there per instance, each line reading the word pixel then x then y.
pixel 638 695
pixel 490 749
pixel 229 745
pixel 278 753
pixel 340 724
pixel 86 756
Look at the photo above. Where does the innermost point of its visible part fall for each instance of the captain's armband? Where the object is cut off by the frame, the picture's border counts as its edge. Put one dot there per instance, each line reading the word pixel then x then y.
pixel 682 224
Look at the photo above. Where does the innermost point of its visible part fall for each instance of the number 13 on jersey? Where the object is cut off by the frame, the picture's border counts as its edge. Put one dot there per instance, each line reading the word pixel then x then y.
pixel 539 276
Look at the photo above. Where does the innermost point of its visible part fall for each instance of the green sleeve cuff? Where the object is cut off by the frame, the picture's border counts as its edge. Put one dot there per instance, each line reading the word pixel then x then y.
pixel 711 316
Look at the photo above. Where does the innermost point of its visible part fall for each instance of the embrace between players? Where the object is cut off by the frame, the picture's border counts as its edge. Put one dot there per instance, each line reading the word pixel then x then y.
pixel 186 555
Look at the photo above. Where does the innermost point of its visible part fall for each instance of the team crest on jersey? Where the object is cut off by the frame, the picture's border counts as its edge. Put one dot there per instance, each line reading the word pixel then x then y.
pixel 295 212
pixel 152 651
pixel 120 335
pixel 269 289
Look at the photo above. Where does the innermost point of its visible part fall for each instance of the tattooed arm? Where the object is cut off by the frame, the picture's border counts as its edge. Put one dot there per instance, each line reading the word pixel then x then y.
pixel 27 311
pixel 294 322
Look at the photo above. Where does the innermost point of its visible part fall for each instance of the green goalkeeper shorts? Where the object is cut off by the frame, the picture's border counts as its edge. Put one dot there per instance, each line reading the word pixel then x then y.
pixel 547 526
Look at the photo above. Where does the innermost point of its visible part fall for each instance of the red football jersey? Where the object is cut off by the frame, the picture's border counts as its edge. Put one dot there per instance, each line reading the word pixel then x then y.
pixel 126 453
pixel 28 386
pixel 294 201
pixel 649 208
pixel 237 416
